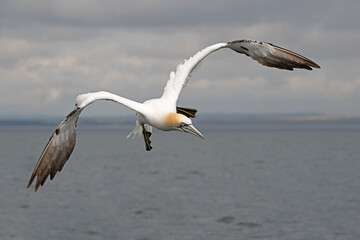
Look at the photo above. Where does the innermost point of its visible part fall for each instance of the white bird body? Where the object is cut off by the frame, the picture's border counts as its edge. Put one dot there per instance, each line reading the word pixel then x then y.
pixel 153 112
pixel 157 110
pixel 161 113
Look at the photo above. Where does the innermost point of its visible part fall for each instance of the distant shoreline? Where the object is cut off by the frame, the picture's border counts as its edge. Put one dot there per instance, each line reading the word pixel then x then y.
pixel 218 121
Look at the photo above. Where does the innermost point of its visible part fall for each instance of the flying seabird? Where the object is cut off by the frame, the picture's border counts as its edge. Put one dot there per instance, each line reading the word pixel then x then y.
pixel 161 113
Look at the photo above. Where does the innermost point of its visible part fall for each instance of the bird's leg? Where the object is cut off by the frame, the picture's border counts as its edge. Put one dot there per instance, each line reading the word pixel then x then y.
pixel 146 135
pixel 188 112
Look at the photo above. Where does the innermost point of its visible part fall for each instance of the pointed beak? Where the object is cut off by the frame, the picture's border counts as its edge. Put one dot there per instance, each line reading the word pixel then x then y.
pixel 192 130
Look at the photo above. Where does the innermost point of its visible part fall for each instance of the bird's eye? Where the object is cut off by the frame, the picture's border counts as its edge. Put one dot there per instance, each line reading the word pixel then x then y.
pixel 182 124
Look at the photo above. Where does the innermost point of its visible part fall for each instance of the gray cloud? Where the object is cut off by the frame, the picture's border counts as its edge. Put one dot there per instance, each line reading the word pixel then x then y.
pixel 50 51
pixel 159 13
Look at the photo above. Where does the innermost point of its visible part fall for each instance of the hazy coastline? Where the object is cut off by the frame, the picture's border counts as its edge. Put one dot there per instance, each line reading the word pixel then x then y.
pixel 236 121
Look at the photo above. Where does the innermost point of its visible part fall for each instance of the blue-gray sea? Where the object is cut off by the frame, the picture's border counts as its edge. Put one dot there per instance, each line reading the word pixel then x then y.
pixel 238 183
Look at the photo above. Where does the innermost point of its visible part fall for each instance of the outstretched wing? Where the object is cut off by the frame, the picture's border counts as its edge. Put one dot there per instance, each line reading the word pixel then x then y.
pixel 57 151
pixel 270 55
pixel 179 78
pixel 266 54
pixel 62 142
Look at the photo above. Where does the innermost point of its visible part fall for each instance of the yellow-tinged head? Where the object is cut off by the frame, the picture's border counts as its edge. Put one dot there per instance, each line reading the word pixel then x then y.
pixel 180 122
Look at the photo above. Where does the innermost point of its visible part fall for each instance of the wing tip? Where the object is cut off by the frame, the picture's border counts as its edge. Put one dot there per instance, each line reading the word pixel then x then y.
pixel 302 61
pixel 311 65
pixel 47 164
pixel 316 66
pixel 31 181
pixel 308 64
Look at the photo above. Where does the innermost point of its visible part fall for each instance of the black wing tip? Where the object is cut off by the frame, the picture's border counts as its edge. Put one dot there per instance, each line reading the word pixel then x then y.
pixel 316 66
pixel 307 68
pixel 38 183
pixel 42 172
pixel 147 141
pixel 310 66
pixel 30 181
pixel 188 112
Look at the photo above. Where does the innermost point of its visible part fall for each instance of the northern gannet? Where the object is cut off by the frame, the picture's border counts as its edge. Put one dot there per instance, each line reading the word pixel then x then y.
pixel 161 113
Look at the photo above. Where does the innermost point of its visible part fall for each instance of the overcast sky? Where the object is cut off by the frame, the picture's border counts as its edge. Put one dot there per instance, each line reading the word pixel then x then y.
pixel 51 51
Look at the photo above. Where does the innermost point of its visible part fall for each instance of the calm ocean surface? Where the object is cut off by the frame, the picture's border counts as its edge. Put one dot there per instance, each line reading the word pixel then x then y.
pixel 236 184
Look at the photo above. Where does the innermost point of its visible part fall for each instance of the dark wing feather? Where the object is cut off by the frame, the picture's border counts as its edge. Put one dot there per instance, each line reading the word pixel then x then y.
pixel 271 55
pixel 57 151
pixel 188 112
pixel 146 135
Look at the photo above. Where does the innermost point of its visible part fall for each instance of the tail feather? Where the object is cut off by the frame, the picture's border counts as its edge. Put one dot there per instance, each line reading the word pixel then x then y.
pixel 136 131
pixel 144 129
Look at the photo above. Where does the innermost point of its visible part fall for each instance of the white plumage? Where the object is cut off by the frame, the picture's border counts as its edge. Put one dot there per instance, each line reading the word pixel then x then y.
pixel 161 113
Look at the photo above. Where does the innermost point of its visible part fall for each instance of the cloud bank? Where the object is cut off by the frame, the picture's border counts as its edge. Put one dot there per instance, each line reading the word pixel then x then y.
pixel 51 51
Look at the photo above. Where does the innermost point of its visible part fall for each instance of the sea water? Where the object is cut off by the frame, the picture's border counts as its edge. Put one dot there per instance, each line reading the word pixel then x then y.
pixel 235 184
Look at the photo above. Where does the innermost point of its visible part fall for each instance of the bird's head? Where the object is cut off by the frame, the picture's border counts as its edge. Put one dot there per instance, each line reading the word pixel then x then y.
pixel 180 122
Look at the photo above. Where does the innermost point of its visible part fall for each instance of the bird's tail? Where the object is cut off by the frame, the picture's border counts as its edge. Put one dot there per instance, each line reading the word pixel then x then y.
pixel 138 130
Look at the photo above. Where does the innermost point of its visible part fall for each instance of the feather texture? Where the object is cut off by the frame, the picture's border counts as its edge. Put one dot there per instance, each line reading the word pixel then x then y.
pixel 264 53
pixel 57 151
